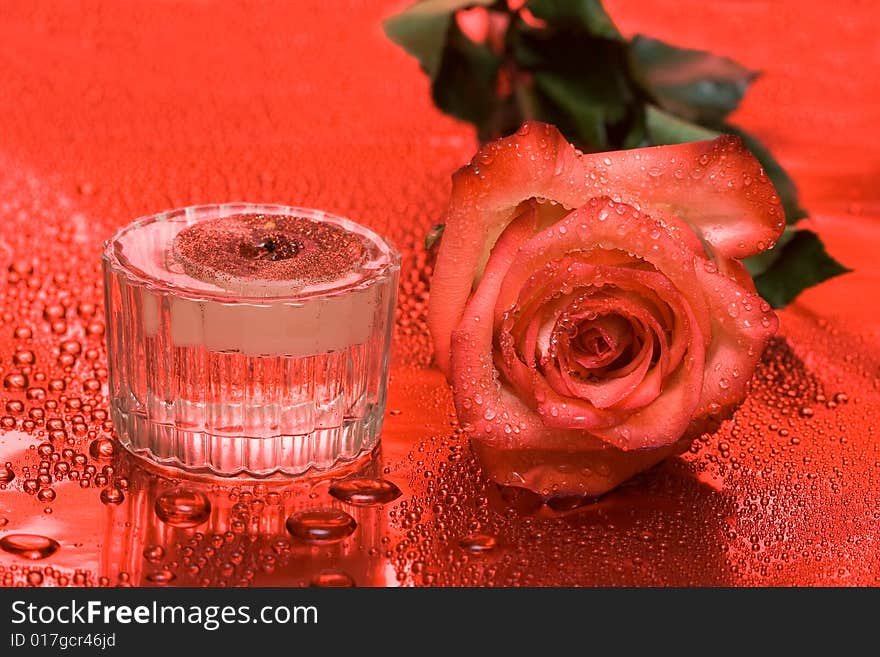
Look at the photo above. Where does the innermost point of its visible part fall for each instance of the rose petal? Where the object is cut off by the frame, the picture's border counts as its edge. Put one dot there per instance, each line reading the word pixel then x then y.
pixel 609 225
pixel 524 379
pixel 615 332
pixel 481 402
pixel 610 391
pixel 661 422
pixel 554 462
pixel 717 187
pixel 742 322
pixel 604 224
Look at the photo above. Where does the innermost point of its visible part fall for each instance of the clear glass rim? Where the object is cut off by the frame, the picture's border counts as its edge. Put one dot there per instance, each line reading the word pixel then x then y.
pixel 143 279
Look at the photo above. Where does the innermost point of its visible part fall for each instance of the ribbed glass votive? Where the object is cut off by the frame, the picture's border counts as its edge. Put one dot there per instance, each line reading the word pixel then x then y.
pixel 249 339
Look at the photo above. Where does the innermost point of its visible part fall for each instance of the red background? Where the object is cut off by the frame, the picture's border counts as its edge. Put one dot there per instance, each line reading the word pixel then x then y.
pixel 109 111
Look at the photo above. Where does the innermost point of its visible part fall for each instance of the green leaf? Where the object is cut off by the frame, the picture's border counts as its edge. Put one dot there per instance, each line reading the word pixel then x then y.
pixel 760 263
pixel 692 84
pixel 602 92
pixel 421 30
pixel 637 135
pixel 465 83
pixel 664 128
pixel 589 15
pixel 581 85
pixel 585 112
pixel 801 262
pixel 783 183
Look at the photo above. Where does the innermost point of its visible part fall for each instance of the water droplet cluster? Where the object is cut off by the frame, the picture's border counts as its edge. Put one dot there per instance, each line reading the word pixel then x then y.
pixel 753 503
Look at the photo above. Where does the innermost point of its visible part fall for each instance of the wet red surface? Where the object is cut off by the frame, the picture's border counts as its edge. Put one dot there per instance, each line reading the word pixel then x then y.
pixel 112 111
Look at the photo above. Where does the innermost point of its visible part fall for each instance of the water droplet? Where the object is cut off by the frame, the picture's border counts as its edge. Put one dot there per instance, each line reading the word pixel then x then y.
pixel 29 546
pixel 163 576
pixel 102 448
pixel 365 491
pixel 332 579
pixel 24 357
pixel 15 381
pixel 6 474
pixel 321 525
pixel 46 495
pixel 112 495
pixel 478 543
pixel 181 507
pixel 35 578
pixel 53 312
pixel 154 553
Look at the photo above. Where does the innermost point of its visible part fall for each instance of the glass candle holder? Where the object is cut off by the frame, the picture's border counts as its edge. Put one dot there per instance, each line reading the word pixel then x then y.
pixel 248 339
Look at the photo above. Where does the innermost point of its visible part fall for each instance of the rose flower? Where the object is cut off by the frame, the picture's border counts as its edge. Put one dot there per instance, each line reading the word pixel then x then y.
pixel 591 311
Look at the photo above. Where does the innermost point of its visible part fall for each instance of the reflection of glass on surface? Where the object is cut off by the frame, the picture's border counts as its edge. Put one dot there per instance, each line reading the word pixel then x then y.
pixel 241 539
pixel 249 338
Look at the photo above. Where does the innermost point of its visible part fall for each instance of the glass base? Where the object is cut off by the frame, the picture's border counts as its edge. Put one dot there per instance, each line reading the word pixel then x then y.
pixel 241 456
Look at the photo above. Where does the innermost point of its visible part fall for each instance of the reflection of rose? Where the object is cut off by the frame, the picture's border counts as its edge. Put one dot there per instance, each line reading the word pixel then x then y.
pixel 586 345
